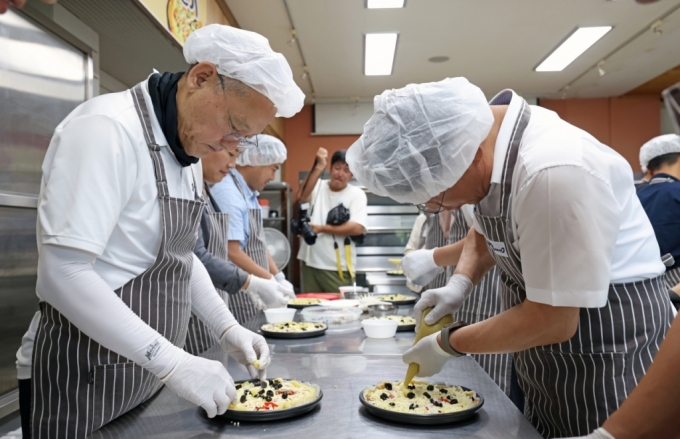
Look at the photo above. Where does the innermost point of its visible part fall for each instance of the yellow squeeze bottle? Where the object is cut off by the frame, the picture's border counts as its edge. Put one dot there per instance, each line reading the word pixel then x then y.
pixel 423 331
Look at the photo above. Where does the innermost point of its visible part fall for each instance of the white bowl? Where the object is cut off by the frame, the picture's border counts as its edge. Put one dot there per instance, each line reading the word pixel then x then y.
pixel 278 315
pixel 342 303
pixel 380 328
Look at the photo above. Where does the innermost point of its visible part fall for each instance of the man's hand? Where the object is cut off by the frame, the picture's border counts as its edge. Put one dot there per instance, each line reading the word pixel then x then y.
pixel 268 293
pixel 247 348
pixel 321 158
pixel 445 300
pixel 318 229
pixel 204 382
pixel 428 355
pixel 419 267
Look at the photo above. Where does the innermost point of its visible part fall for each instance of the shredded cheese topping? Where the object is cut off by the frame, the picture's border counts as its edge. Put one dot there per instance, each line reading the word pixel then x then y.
pixel 422 398
pixel 402 320
pixel 293 327
pixel 275 394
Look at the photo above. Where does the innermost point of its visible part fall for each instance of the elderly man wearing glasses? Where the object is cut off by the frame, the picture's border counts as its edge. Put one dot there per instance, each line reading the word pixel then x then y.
pixel 585 306
pixel 119 207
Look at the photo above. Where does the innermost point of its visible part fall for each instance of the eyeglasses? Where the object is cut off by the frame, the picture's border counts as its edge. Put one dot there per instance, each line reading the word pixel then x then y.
pixel 425 207
pixel 243 141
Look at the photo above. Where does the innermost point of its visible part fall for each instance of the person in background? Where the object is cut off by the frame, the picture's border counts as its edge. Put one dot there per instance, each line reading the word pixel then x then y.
pixel 324 267
pixel 644 160
pixel 661 200
pixel 211 249
pixel 556 210
pixel 236 195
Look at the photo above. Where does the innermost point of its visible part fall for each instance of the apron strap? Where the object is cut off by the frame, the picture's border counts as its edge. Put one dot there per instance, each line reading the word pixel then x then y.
pixel 154 148
pixel 511 157
pixel 213 203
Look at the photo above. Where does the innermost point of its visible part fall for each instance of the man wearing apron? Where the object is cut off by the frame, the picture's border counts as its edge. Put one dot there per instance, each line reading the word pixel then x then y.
pixel 585 304
pixel 661 200
pixel 237 195
pixel 211 249
pixel 117 218
pixel 483 302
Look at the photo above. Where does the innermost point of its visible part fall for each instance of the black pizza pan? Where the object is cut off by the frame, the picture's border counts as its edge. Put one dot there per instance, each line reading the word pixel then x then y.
pixel 294 335
pixel 291 305
pixel 406 328
pixel 422 419
pixel 410 301
pixel 272 415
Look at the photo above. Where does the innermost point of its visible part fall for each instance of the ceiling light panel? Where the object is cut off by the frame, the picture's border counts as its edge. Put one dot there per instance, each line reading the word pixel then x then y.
pixel 379 53
pixel 577 43
pixel 384 4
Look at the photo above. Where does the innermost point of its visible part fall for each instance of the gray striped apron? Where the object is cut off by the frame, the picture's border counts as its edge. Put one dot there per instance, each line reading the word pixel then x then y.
pixel 78 384
pixel 484 302
pixel 199 337
pixel 256 248
pixel 433 239
pixel 572 387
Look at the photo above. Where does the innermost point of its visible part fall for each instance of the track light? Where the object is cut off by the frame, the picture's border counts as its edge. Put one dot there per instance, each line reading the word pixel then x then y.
pixel 600 68
pixel 656 28
pixel 293 40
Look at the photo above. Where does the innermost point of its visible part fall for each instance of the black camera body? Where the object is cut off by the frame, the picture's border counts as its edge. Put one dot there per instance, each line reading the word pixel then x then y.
pixel 300 226
pixel 340 215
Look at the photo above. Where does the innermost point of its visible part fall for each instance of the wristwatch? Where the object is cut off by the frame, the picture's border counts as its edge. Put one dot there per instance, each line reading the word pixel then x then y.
pixel 445 333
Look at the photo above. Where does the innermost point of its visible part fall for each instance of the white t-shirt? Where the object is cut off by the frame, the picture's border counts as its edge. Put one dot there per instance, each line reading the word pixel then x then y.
pixel 322 254
pixel 98 191
pixel 576 219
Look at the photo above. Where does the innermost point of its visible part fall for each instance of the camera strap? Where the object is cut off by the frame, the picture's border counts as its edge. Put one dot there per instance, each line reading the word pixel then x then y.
pixel 338 262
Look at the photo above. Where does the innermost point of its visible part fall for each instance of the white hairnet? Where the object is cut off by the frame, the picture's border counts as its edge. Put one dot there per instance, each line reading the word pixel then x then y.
pixel 247 57
pixel 420 139
pixel 658 146
pixel 269 151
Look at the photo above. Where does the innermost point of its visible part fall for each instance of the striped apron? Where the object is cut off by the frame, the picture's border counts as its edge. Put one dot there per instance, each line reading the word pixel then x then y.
pixel 78 384
pixel 484 302
pixel 572 387
pixel 256 248
pixel 433 239
pixel 200 338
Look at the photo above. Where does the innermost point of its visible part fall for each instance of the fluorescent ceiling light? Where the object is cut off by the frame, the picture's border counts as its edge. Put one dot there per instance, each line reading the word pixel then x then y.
pixel 384 4
pixel 379 54
pixel 577 43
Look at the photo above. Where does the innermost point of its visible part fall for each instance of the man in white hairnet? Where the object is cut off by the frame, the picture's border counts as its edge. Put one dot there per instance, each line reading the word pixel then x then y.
pixel 237 196
pixel 118 212
pixel 585 304
pixel 661 200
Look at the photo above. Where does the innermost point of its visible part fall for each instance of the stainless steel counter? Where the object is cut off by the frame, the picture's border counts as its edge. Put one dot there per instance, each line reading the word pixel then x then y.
pixel 341 378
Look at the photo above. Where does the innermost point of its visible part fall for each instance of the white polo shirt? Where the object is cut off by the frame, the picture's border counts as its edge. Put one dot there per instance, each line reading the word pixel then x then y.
pixel 98 191
pixel 576 219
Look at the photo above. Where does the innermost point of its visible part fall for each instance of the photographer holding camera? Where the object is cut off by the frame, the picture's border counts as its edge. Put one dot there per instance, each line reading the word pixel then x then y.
pixel 335 212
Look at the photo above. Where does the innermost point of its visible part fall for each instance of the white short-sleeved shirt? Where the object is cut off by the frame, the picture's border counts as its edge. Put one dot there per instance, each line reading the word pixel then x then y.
pixel 321 255
pixel 576 219
pixel 98 191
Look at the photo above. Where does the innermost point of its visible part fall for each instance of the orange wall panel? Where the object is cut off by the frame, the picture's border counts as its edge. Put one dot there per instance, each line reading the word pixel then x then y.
pixel 591 115
pixel 634 121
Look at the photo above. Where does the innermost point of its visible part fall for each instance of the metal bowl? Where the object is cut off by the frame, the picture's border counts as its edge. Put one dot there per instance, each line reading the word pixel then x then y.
pixel 382 310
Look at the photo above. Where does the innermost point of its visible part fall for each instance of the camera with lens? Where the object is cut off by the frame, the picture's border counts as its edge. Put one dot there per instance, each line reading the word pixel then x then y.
pixel 340 215
pixel 300 226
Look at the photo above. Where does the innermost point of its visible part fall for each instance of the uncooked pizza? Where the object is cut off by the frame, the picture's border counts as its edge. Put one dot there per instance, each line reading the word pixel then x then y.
pixel 401 320
pixel 294 327
pixel 274 394
pixel 422 398
pixel 395 297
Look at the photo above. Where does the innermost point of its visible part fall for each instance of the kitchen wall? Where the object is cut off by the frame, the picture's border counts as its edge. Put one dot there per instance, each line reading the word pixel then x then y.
pixel 302 145
pixel 621 123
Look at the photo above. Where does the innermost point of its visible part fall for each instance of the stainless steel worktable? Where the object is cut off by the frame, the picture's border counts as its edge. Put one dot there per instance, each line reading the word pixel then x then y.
pixel 341 375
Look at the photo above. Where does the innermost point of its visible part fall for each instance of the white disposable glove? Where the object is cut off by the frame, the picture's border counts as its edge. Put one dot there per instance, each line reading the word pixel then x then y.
pixel 600 433
pixel 248 348
pixel 281 279
pixel 268 293
pixel 204 382
pixel 428 355
pixel 443 301
pixel 419 267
